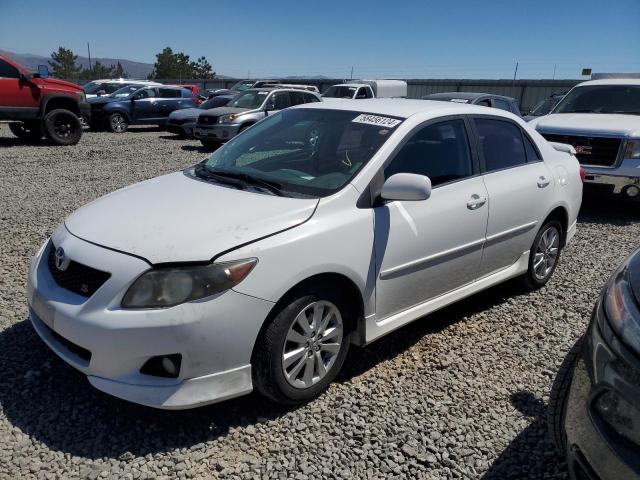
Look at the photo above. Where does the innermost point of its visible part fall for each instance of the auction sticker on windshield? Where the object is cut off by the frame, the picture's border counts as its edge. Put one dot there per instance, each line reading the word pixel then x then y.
pixel 377 120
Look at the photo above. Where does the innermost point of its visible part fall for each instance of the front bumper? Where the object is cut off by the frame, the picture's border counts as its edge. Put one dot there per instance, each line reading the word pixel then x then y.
pixel 618 178
pixel 594 450
pixel 181 128
pixel 85 111
pixel 218 132
pixel 214 336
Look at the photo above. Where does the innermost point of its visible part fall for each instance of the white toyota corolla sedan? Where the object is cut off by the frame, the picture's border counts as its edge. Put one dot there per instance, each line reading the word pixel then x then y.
pixel 320 226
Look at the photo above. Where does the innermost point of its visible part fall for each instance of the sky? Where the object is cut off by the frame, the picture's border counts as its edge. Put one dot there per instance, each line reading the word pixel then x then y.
pixel 393 39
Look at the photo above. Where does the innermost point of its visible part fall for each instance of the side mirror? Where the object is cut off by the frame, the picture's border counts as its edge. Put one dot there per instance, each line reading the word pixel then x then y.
pixel 406 187
pixel 43 71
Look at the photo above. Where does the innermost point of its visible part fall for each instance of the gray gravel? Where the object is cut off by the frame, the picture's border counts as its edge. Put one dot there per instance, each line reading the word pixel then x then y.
pixel 459 394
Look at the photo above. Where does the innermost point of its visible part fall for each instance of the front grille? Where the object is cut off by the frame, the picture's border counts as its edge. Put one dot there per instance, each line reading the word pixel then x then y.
pixel 207 119
pixel 77 350
pixel 600 151
pixel 76 278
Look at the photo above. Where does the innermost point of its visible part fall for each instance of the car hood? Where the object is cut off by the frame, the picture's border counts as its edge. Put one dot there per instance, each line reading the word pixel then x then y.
pixel 54 82
pixel 186 113
pixel 104 99
pixel 613 124
pixel 224 111
pixel 179 218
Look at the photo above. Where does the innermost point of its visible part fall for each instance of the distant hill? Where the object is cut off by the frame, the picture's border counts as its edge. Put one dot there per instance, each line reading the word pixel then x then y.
pixel 134 69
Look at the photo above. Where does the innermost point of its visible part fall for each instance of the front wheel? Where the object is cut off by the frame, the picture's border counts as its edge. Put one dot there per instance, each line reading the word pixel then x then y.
pixel 62 127
pixel 544 255
pixel 303 348
pixel 117 123
pixel 31 131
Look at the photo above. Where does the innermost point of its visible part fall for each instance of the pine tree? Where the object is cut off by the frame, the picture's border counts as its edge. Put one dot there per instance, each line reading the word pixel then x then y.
pixel 202 69
pixel 63 64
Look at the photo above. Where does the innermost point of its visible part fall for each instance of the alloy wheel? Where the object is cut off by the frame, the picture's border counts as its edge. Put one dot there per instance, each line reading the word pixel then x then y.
pixel 312 344
pixel 118 123
pixel 546 254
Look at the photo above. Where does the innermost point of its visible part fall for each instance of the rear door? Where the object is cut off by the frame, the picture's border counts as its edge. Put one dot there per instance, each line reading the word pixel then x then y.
pixel 520 187
pixel 170 99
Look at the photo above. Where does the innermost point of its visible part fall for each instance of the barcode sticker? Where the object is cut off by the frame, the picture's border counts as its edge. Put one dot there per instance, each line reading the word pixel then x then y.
pixel 376 120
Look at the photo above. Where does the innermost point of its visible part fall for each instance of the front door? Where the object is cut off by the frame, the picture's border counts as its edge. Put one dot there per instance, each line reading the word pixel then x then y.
pixel 16 93
pixel 427 248
pixel 144 108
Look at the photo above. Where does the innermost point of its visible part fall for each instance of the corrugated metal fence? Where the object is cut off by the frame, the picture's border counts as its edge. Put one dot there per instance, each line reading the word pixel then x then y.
pixel 527 92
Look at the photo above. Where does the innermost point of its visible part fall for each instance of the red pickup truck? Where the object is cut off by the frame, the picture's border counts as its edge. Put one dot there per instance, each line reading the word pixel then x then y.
pixel 39 106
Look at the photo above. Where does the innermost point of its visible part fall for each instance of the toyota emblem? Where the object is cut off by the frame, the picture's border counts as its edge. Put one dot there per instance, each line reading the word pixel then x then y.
pixel 60 258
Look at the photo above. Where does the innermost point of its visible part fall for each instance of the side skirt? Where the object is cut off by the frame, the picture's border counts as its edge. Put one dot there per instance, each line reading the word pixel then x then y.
pixel 375 328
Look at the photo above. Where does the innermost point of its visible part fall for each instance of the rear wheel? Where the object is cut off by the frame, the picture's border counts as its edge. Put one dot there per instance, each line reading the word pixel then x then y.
pixel 557 409
pixel 62 127
pixel 27 130
pixel 303 348
pixel 544 255
pixel 117 123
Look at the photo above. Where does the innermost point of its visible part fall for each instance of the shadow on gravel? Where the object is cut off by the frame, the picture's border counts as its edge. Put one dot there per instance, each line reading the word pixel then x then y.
pixel 197 148
pixel 607 209
pixel 17 142
pixel 50 401
pixel 53 403
pixel 531 454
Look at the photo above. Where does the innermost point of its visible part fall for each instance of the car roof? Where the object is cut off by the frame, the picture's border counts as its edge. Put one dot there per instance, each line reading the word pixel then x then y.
pixel 404 108
pixel 273 89
pixel 466 95
pixel 124 80
pixel 611 81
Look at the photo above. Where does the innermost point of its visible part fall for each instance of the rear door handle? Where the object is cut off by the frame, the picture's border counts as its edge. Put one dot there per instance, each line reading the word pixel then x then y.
pixel 543 181
pixel 476 202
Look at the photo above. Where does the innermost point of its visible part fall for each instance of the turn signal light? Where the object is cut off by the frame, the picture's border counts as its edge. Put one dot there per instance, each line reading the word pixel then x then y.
pixel 583 174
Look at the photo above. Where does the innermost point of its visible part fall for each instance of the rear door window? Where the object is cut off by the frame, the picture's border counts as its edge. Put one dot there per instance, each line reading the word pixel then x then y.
pixel 170 93
pixel 501 144
pixel 297 98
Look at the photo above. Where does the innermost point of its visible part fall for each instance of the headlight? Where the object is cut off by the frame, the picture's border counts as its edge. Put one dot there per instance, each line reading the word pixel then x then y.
pixel 622 416
pixel 622 310
pixel 166 287
pixel 633 149
pixel 228 118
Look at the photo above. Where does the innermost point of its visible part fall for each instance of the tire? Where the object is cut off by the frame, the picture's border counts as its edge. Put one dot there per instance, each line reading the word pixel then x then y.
pixel 210 144
pixel 31 131
pixel 557 409
pixel 538 275
pixel 313 365
pixel 62 127
pixel 117 123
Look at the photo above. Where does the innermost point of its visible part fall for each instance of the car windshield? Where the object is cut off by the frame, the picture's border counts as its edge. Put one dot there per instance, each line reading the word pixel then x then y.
pixel 91 87
pixel 601 99
pixel 125 91
pixel 242 85
pixel 337 91
pixel 544 106
pixel 215 102
pixel 308 152
pixel 251 99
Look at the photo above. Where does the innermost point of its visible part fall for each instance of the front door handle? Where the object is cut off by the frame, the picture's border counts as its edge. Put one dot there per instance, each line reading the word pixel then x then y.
pixel 543 181
pixel 476 202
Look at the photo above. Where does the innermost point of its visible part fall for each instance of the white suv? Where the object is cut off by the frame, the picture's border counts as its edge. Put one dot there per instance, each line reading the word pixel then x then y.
pixel 320 226
pixel 97 88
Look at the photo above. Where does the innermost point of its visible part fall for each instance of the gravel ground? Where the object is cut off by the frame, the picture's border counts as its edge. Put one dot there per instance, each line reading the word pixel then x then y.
pixel 459 394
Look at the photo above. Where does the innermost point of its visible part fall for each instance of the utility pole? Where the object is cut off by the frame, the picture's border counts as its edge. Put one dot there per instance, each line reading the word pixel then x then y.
pixel 89 52
pixel 516 72
pixel 351 73
pixel 554 70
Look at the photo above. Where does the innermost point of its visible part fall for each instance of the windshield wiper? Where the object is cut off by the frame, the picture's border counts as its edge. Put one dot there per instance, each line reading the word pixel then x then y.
pixel 271 186
pixel 203 172
pixel 628 112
